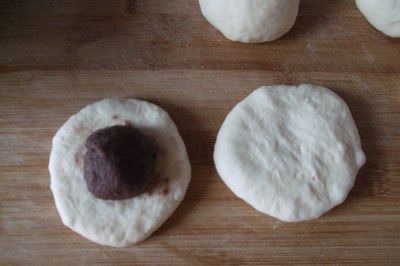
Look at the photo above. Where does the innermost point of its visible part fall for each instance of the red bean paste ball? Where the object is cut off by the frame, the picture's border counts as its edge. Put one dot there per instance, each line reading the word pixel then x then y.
pixel 119 163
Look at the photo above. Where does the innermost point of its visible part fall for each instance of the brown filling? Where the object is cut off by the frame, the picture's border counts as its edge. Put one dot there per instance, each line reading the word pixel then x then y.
pixel 119 163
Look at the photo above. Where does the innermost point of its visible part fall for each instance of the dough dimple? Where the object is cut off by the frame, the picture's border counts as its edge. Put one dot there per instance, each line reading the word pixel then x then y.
pixel 290 152
pixel 251 21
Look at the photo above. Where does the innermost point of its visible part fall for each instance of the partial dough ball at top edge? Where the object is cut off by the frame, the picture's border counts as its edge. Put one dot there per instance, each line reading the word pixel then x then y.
pixel 384 15
pixel 251 21
pixel 291 152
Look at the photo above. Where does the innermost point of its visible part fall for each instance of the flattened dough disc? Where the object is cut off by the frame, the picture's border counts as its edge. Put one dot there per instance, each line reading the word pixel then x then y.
pixel 122 222
pixel 290 152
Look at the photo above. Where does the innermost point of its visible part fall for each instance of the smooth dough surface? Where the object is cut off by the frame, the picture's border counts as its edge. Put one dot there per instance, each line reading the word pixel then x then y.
pixel 123 222
pixel 251 21
pixel 382 14
pixel 291 152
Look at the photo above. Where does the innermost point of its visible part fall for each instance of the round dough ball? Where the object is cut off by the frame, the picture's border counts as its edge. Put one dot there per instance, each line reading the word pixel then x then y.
pixel 251 21
pixel 382 14
pixel 290 152
pixel 118 222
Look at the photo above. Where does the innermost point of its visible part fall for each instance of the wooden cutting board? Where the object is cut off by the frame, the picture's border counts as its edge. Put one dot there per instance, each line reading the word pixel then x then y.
pixel 58 56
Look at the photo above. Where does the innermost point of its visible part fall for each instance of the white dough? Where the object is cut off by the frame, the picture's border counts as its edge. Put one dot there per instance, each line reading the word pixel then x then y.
pixel 290 152
pixel 121 222
pixel 382 14
pixel 251 21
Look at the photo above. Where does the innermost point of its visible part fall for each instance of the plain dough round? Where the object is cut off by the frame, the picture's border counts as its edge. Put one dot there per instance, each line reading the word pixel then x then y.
pixel 251 21
pixel 382 14
pixel 290 152
pixel 123 222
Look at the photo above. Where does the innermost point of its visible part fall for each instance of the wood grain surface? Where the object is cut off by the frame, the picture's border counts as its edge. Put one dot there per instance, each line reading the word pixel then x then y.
pixel 58 56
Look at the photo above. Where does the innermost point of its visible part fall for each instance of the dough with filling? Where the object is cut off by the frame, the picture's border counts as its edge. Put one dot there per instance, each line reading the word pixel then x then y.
pixel 117 222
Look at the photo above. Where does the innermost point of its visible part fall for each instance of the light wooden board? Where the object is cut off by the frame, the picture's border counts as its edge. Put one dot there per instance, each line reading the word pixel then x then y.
pixel 58 56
